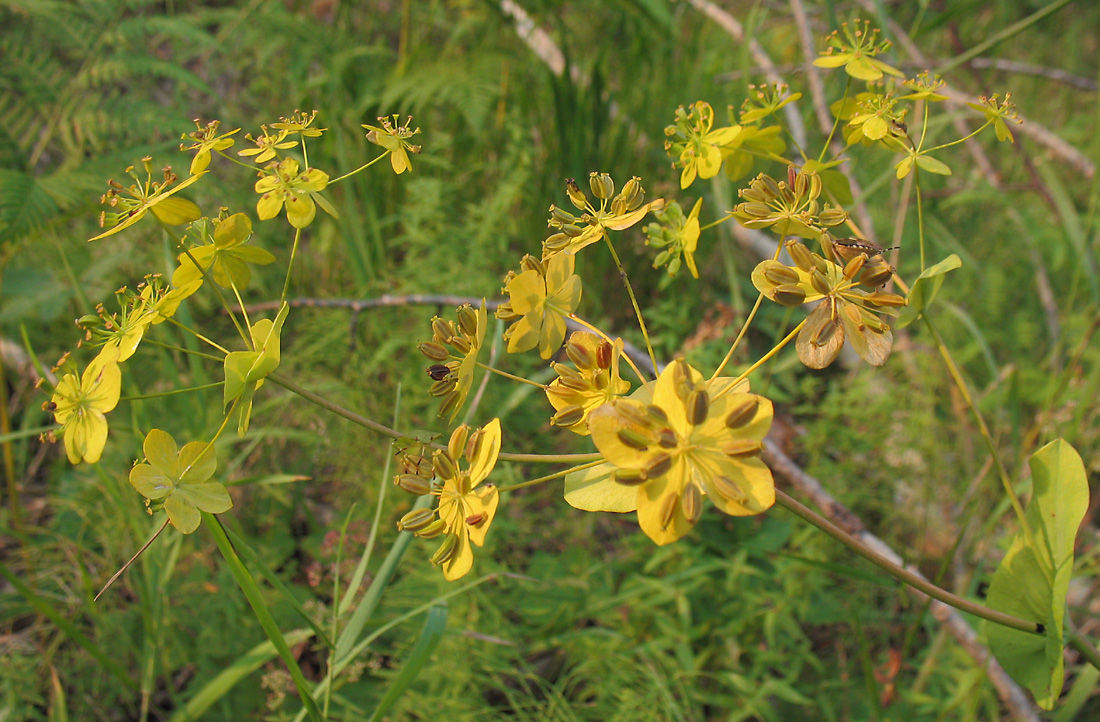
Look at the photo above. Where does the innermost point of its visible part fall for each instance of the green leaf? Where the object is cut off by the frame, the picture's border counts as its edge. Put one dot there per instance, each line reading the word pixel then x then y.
pixel 1032 581
pixel 430 636
pixel 594 490
pixel 925 289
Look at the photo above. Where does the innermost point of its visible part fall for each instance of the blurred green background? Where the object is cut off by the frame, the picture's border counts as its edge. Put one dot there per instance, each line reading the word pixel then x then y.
pixel 755 619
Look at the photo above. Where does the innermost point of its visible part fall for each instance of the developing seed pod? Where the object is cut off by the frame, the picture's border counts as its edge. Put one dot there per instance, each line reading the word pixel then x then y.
pixel 555 243
pixel 634 413
pixel 442 330
pixel 632 193
pixel 530 263
pixel 433 350
pixel 618 206
pixel 691 503
pixel 629 477
pixel 450 404
pixel 446 550
pixel 568 416
pixel 742 448
pixel 573 230
pixel 658 465
pixel 605 354
pixel 779 274
pixel 579 354
pixel 505 313
pixel 698 405
pixel 560 215
pixel 668 510
pixel 855 315
pixel 889 300
pixel 416 519
pixel 789 295
pixel 852 267
pixel 743 412
pixel 656 414
pixel 824 335
pixel 457 443
pixel 413 484
pixel 819 282
pixel 633 439
pixel 444 465
pixel 876 274
pixel 438 372
pixel 800 255
pixel 602 185
pixel 728 489
pixel 576 195
pixel 433 530
pixel 462 344
pixel 467 319
pixel 575 383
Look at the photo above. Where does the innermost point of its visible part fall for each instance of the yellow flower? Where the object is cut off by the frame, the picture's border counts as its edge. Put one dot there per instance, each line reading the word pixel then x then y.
pixel 140 197
pixel 845 311
pixel 539 299
pixel 696 147
pixel 282 183
pixel 677 236
pixel 466 506
pixel 267 146
pixel 694 439
pixel 179 480
pixel 615 213
pixel 299 123
pixel 595 381
pixel 1000 112
pixel 80 405
pixel 206 140
pixel 395 138
pixel 856 51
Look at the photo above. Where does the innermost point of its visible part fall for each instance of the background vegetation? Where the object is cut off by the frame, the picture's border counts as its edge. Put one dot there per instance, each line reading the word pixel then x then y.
pixel 760 619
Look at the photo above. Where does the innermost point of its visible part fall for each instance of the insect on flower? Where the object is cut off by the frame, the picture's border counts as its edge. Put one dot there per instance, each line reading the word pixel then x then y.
pixel 848 248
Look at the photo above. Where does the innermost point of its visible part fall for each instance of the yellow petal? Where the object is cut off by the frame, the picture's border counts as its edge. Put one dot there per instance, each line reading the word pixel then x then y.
pixel 753 478
pixel 487 452
pixel 594 490
pixel 656 498
pixel 300 210
pixel 461 561
pixel 820 340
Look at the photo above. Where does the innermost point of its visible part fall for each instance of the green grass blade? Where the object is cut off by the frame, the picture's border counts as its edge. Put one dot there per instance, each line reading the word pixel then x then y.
pixel 44 608
pixel 430 637
pixel 244 665
pixel 256 601
pixel 272 578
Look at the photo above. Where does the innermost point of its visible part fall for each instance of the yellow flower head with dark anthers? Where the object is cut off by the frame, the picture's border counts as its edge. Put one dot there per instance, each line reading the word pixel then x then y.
pixel 205 140
pixel 453 375
pixel 134 201
pixel 178 480
pixel 394 137
pixel 845 311
pixel 615 212
pixel 593 382
pixel 282 183
pixel 693 144
pixel 788 208
pixel 300 123
pixel 693 440
pixel 539 299
pixel 855 48
pixel 466 505
pixel 80 406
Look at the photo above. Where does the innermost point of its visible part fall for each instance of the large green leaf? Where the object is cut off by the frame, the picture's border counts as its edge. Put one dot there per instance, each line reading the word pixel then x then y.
pixel 1033 578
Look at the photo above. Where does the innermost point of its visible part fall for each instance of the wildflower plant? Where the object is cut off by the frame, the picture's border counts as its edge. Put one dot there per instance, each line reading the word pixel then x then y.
pixel 668 441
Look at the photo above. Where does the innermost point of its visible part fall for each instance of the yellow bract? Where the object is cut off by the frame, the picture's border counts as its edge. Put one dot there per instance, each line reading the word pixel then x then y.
pixel 179 479
pixel 466 506
pixel 542 302
pixel 284 185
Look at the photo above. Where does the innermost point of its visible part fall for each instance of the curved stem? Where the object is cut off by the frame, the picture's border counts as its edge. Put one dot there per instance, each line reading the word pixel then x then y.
pixel 360 168
pixel 902 574
pixel 605 337
pixel 633 299
pixel 173 392
pixel 740 335
pixel 763 359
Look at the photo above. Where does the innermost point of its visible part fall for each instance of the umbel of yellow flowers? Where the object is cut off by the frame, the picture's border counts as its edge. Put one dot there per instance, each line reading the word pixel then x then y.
pixel 695 439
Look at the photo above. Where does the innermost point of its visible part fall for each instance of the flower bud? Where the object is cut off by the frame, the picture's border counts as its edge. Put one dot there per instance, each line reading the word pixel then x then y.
pixel 801 255
pixel 779 274
pixel 457 443
pixel 560 215
pixel 789 295
pixel 442 387
pixel 462 344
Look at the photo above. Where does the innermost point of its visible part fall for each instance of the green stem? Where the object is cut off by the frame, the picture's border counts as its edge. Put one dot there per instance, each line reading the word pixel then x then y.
pixel 173 392
pixel 360 168
pixel 507 375
pixel 902 574
pixel 197 335
pixel 997 38
pixel 956 376
pixel 290 265
pixel 740 335
pixel 836 121
pixel 173 347
pixel 550 477
pixel 1085 648
pixel 633 299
